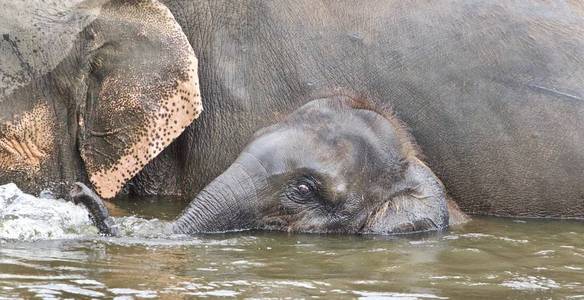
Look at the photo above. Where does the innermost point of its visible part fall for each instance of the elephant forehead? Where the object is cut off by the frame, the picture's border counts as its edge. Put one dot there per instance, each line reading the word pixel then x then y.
pixel 38 35
pixel 285 150
pixel 359 127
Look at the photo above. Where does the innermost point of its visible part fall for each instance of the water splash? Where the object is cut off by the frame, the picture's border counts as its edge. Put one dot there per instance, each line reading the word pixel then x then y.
pixel 28 218
pixel 132 226
pixel 25 217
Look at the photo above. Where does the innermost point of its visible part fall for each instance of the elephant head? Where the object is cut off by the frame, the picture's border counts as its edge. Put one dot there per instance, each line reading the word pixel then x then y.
pixel 335 165
pixel 91 90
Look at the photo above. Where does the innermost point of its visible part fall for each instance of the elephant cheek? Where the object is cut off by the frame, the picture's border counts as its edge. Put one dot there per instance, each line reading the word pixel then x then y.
pixel 27 141
pixel 380 220
pixel 400 215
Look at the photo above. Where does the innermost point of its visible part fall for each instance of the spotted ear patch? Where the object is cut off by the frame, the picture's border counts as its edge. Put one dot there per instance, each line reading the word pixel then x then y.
pixel 144 103
pixel 160 129
pixel 26 142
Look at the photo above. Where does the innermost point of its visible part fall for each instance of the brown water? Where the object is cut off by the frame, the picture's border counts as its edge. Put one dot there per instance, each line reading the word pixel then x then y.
pixel 487 258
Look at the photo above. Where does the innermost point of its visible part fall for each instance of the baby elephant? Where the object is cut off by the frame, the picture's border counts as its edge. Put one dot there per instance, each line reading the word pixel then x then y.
pixel 335 165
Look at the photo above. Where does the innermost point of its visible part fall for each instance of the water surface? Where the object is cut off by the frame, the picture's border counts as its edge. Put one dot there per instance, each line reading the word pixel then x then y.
pixel 487 258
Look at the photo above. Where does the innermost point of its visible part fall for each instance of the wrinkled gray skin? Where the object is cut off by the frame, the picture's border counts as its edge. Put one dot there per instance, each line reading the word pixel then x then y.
pixel 332 166
pixel 90 90
pixel 491 91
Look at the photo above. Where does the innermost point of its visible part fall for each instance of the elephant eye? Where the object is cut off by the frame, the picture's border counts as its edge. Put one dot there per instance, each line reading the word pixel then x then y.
pixel 303 189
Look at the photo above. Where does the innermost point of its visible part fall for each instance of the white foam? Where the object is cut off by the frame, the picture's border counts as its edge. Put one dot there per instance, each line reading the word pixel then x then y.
pixel 530 283
pixel 28 218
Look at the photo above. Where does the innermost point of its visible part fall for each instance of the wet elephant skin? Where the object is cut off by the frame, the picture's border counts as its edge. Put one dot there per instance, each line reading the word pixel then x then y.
pixel 491 90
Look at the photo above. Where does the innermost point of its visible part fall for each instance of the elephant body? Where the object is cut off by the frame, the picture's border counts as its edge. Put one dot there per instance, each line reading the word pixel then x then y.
pixel 491 91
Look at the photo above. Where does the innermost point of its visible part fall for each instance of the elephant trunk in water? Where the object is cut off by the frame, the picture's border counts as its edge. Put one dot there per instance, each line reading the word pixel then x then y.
pixel 226 204
pixel 98 212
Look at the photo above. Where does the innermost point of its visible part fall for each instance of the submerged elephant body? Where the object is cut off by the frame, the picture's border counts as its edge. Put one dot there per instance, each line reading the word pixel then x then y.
pixel 491 92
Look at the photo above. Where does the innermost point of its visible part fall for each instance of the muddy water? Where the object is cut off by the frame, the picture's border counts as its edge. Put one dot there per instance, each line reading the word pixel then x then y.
pixel 488 258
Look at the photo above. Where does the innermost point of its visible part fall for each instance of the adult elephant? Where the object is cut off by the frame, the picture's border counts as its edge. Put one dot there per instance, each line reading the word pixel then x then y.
pixel 90 90
pixel 491 91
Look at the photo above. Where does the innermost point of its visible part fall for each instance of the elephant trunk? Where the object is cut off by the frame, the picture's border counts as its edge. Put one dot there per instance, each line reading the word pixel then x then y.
pixel 98 212
pixel 228 203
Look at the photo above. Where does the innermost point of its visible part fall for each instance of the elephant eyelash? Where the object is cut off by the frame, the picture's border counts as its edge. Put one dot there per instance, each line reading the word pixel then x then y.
pixel 311 181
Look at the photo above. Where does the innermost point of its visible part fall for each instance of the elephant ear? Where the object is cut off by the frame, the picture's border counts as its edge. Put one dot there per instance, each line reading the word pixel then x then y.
pixel 142 93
